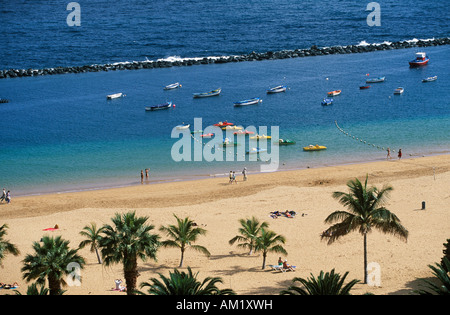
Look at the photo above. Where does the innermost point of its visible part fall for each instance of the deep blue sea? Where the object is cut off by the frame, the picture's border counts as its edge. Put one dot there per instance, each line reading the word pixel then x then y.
pixel 59 133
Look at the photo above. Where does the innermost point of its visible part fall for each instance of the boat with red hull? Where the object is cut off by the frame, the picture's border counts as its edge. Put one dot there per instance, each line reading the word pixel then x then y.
pixel 421 60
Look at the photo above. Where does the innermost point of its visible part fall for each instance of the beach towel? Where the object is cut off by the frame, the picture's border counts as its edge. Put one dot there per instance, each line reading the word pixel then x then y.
pixel 50 229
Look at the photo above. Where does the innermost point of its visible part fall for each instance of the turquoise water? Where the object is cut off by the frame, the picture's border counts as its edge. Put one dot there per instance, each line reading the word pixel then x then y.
pixel 59 133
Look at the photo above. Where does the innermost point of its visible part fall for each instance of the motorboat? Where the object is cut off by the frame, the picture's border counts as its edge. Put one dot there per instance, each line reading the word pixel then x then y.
pixel 172 86
pixel 277 89
pixel 327 101
pixel 252 101
pixel 420 60
pixel 215 92
pixel 334 93
pixel 430 79
pixel 364 87
pixel 376 80
pixel 399 90
pixel 159 107
pixel 113 96
pixel 207 135
pixel 314 147
pixel 182 127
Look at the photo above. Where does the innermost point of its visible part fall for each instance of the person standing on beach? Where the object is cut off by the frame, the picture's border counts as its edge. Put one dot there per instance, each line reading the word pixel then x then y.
pixel 146 172
pixel 244 172
pixel 8 197
pixel 399 154
pixel 388 154
pixel 142 176
pixel 3 197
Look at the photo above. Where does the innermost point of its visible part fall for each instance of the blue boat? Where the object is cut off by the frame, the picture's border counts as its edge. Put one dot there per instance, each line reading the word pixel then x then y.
pixel 159 107
pixel 277 89
pixel 327 101
pixel 215 92
pixel 252 101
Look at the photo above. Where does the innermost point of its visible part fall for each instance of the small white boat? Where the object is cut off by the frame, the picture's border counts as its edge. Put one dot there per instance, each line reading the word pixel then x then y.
pixel 327 101
pixel 430 79
pixel 376 80
pixel 159 107
pixel 277 89
pixel 112 96
pixel 172 86
pixel 399 90
pixel 181 127
pixel 256 150
pixel 252 101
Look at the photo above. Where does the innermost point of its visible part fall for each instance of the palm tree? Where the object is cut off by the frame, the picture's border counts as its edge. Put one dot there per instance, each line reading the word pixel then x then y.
pixel 181 283
pixel 329 283
pixel 34 290
pixel 5 246
pixel 93 237
pixel 183 235
pixel 366 211
pixel 269 241
pixel 128 240
pixel 249 231
pixel 50 262
pixel 440 272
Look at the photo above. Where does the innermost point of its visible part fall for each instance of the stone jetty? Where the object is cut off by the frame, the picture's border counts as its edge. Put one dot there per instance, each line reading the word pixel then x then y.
pixel 253 56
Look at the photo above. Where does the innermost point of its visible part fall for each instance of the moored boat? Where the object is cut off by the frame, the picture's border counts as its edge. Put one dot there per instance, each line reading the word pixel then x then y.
pixel 334 93
pixel 421 60
pixel 430 79
pixel 159 107
pixel 364 87
pixel 257 137
pixel 327 101
pixel 232 128
pixel 399 90
pixel 285 142
pixel 172 86
pixel 314 147
pixel 223 124
pixel 215 92
pixel 181 127
pixel 277 89
pixel 243 132
pixel 376 80
pixel 252 101
pixel 113 96
pixel 207 135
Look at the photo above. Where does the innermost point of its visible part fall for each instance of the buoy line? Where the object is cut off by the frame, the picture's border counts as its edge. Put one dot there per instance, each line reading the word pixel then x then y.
pixel 360 140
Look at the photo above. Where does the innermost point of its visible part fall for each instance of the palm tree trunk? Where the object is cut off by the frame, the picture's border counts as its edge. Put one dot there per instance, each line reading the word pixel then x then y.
pixel 98 256
pixel 365 258
pixel 54 286
pixel 130 274
pixel 182 258
pixel 264 260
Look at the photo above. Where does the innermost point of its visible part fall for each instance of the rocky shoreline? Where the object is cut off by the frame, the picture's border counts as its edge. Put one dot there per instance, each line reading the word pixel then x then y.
pixel 253 56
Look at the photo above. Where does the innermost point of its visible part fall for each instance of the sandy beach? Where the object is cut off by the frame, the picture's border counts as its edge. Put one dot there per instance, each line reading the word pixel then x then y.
pixel 217 206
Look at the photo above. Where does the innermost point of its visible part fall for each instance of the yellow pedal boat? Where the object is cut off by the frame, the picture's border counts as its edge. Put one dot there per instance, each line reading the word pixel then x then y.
pixel 314 147
pixel 261 137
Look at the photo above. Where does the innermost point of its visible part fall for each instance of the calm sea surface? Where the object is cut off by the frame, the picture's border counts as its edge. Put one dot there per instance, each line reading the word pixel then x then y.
pixel 59 133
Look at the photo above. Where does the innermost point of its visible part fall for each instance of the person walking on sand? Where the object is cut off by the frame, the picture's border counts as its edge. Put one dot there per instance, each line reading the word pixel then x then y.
pixel 388 154
pixel 8 197
pixel 231 177
pixel 3 197
pixel 399 154
pixel 234 177
pixel 244 172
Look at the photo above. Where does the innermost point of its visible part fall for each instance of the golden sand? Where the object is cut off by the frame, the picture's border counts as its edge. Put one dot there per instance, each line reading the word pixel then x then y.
pixel 217 206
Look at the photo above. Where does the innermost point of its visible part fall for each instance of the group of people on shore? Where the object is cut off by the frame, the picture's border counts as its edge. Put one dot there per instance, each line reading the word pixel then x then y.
pixel 389 154
pixel 146 175
pixel 6 196
pixel 233 176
